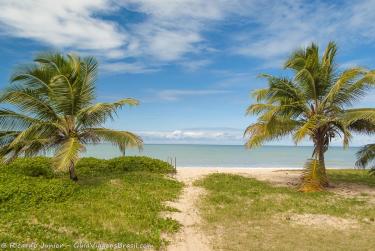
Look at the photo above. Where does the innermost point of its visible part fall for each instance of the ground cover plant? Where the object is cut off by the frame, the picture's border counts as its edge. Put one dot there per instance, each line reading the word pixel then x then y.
pixel 122 204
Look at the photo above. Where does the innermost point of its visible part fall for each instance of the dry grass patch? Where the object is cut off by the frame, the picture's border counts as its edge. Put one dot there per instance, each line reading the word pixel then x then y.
pixel 246 214
pixel 322 221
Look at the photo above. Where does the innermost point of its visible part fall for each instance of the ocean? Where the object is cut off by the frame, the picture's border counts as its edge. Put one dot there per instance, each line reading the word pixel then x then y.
pixel 230 155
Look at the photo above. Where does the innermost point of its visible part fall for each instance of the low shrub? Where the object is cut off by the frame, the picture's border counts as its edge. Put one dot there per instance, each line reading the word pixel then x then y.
pixel 42 166
pixel 135 163
pixel 33 167
pixel 18 190
pixel 40 206
pixel 93 166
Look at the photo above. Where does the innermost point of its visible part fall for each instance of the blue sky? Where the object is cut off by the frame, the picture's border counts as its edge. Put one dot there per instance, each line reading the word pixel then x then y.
pixel 191 63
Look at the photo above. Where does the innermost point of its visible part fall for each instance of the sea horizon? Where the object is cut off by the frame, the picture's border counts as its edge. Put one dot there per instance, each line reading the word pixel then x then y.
pixel 226 155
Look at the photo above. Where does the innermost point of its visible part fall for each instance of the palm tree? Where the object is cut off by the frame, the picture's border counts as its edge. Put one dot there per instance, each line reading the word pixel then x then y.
pixel 314 103
pixel 55 110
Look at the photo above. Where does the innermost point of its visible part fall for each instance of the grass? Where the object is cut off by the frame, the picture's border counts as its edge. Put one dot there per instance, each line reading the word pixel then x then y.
pixel 106 207
pixel 242 213
pixel 352 176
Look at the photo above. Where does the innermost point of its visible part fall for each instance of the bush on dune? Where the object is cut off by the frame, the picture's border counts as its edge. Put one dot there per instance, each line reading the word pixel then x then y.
pixel 141 164
pixel 41 205
pixel 32 181
pixel 33 167
pixel 42 166
pixel 20 191
pixel 93 166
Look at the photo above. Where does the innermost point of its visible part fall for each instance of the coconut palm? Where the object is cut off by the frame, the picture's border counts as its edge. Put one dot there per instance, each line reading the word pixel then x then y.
pixel 314 103
pixel 53 109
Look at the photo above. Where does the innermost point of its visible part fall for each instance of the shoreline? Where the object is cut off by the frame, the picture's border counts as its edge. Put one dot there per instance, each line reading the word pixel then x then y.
pixel 277 175
pixel 256 168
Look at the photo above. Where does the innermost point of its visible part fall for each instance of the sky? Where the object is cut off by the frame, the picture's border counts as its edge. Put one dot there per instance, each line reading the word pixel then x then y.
pixel 191 63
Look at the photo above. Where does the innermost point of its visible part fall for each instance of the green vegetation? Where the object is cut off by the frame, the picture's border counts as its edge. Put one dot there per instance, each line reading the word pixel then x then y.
pixel 366 156
pixel 242 213
pixel 351 176
pixel 116 200
pixel 93 166
pixel 315 104
pixel 53 108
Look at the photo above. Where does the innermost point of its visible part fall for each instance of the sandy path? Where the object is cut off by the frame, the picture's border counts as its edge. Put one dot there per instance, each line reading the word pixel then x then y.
pixel 190 238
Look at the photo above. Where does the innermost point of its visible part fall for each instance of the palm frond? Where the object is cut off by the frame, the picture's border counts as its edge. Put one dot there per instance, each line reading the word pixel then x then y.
pixel 360 120
pixel 259 108
pixel 260 94
pixel 365 156
pixel 67 154
pixel 260 132
pixel 121 139
pixel 313 177
pixel 328 61
pixel 99 113
pixel 345 79
pixel 31 101
pixel 10 120
pixel 304 76
pixel 306 129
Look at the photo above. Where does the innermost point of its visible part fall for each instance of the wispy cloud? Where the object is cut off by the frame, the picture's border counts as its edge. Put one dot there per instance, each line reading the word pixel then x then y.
pixel 227 136
pixel 193 65
pixel 295 24
pixel 176 31
pixel 64 24
pixel 177 94
pixel 353 63
pixel 168 31
pixel 215 135
pixel 126 67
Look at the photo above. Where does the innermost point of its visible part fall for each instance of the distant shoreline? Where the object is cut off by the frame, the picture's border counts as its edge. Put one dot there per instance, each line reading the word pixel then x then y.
pixel 236 168
pixel 219 145
pixel 230 155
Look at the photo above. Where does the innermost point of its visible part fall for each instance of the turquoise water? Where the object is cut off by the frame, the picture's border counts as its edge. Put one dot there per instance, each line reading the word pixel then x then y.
pixel 231 155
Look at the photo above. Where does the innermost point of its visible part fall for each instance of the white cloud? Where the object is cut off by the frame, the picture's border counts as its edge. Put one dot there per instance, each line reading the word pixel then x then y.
pixel 170 31
pixel 229 136
pixel 362 19
pixel 166 45
pixel 219 136
pixel 64 24
pixel 126 67
pixel 193 65
pixel 353 63
pixel 174 94
pixel 173 29
pixel 172 9
pixel 282 26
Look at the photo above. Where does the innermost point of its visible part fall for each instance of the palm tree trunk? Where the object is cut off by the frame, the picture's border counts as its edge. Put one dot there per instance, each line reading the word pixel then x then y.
pixel 322 166
pixel 72 172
